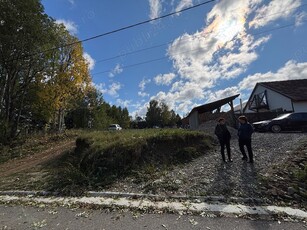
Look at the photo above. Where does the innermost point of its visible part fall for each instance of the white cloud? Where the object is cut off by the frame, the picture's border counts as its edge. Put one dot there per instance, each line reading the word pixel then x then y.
pixel 143 94
pixel 184 4
pixel 89 60
pixel 142 110
pixel 117 70
pixel 112 90
pixel 300 18
pixel 72 2
pixel 273 11
pixel 164 79
pixel 142 86
pixel 291 70
pixel 101 87
pixel 69 25
pixel 155 8
pixel 220 94
pixel 223 50
pixel 143 83
pixel 114 87
pixel 123 103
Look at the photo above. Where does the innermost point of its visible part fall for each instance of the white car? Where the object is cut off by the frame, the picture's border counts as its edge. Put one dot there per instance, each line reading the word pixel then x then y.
pixel 114 127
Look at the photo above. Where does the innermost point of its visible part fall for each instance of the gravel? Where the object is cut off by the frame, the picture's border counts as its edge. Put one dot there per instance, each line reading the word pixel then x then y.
pixel 209 176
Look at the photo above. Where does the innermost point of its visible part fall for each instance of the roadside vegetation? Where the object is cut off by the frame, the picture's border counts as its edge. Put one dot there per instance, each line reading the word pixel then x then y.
pixel 33 144
pixel 287 182
pixel 45 81
pixel 100 158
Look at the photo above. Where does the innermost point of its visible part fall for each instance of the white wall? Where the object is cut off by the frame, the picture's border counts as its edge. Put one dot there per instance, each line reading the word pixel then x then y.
pixel 274 100
pixel 194 120
pixel 300 106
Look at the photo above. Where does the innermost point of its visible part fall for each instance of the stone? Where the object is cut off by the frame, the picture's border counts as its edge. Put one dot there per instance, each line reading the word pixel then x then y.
pixel 291 190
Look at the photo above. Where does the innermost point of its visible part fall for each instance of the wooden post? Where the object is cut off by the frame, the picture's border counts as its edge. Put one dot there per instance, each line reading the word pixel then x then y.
pixel 234 119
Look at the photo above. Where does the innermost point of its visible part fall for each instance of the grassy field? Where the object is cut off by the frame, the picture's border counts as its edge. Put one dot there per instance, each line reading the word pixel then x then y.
pixel 101 157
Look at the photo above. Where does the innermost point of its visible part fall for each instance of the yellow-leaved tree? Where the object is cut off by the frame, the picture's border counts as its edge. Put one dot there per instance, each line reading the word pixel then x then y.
pixel 66 81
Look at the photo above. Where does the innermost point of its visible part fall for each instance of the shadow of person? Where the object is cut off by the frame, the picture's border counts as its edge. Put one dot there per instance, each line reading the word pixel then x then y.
pixel 222 183
pixel 249 180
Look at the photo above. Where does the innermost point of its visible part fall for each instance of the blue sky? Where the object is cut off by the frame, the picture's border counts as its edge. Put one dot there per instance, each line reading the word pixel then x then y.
pixel 191 58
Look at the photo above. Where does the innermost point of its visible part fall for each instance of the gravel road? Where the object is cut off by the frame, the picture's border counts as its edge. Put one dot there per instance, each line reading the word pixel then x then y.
pixel 209 176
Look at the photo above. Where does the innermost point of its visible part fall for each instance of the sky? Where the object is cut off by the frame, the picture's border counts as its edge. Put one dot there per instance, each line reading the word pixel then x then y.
pixel 190 58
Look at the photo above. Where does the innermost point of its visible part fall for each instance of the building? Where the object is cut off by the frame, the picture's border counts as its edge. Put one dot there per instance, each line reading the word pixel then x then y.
pixel 195 114
pixel 278 96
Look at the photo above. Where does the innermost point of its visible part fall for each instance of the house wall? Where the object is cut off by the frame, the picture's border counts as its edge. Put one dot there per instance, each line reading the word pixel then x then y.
pixel 274 100
pixel 300 106
pixel 194 120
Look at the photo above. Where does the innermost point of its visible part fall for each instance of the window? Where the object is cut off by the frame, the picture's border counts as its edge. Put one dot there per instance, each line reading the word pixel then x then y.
pixel 259 101
pixel 296 116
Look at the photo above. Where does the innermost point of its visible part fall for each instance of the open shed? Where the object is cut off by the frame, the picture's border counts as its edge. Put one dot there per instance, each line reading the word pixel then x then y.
pixel 216 105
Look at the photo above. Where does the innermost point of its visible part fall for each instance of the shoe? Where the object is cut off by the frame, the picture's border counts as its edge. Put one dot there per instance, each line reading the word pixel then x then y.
pixel 250 162
pixel 244 158
pixel 229 160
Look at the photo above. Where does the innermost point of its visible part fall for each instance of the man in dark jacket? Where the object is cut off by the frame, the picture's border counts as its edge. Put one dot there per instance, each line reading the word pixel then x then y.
pixel 224 136
pixel 245 132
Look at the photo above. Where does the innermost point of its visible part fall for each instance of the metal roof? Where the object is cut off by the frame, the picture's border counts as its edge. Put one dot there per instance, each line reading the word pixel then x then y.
pixel 213 105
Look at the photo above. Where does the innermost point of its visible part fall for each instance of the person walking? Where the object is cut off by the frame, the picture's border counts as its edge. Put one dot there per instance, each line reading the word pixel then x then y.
pixel 245 132
pixel 224 137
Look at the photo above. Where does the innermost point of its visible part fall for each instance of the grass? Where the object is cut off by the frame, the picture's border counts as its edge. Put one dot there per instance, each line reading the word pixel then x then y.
pixel 102 157
pixel 33 144
pixel 289 178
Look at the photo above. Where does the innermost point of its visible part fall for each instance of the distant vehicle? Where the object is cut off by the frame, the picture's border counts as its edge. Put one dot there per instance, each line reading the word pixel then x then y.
pixel 285 122
pixel 114 127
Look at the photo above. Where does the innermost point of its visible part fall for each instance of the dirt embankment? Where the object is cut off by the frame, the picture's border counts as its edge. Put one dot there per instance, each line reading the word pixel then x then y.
pixel 28 162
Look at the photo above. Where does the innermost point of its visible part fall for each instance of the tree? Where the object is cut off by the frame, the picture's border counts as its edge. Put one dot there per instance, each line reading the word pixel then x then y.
pixel 67 80
pixel 125 119
pixel 178 120
pixel 165 115
pixel 160 115
pixel 24 30
pixel 93 112
pixel 153 115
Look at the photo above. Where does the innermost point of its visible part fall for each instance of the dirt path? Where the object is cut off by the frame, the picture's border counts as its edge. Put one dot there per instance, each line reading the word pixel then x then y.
pixel 26 163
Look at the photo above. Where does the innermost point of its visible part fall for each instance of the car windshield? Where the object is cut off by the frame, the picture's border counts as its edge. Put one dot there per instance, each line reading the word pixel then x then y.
pixel 282 116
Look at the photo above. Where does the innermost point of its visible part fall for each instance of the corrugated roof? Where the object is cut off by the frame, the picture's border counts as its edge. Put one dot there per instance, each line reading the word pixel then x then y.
pixel 213 105
pixel 296 90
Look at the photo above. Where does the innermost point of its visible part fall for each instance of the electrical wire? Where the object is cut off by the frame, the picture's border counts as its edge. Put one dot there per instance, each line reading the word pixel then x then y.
pixel 162 58
pixel 168 43
pixel 117 30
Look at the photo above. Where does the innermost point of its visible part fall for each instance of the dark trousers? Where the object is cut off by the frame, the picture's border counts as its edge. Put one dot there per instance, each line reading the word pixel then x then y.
pixel 248 144
pixel 226 143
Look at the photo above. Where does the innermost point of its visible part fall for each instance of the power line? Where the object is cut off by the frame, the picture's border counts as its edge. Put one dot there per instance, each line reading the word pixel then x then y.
pixel 120 29
pixel 133 52
pixel 164 44
pixel 162 58
pixel 145 22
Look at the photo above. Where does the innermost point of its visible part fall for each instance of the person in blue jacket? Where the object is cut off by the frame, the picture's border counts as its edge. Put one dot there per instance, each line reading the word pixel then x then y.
pixel 224 136
pixel 245 132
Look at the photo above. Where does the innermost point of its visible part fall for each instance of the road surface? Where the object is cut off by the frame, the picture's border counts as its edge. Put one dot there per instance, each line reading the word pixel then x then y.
pixel 25 217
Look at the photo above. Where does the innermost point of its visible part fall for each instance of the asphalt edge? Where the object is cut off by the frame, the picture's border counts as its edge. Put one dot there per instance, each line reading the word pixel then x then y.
pixel 208 206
